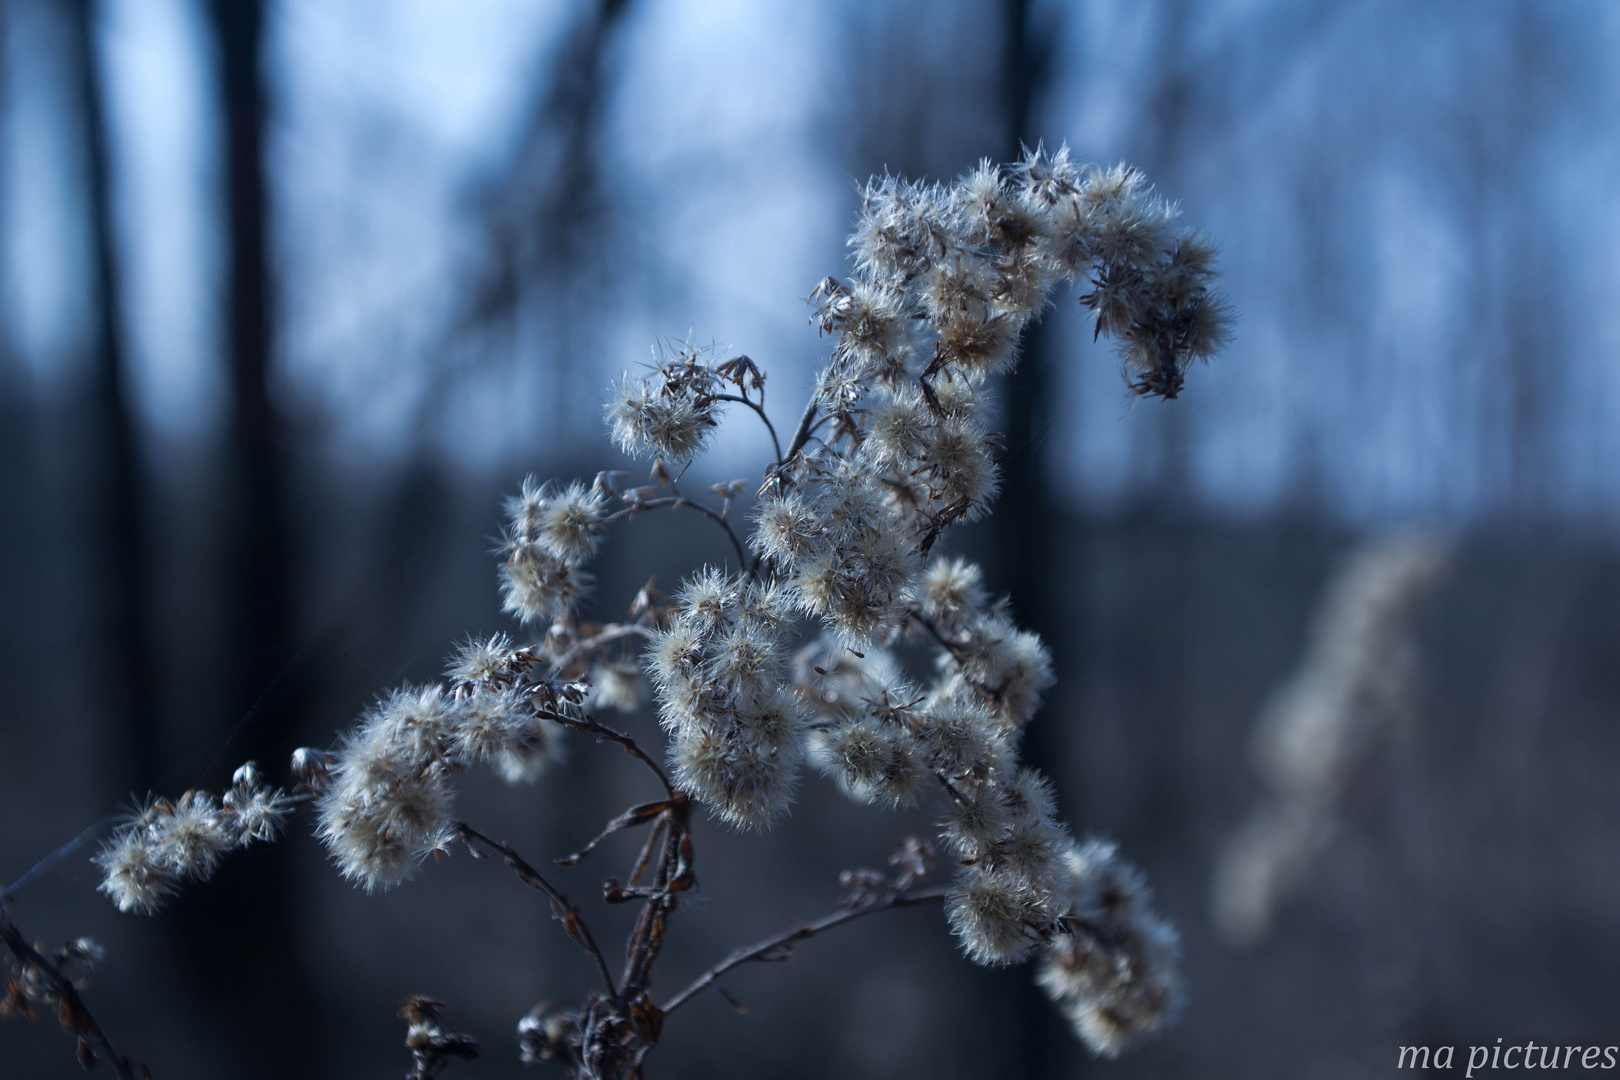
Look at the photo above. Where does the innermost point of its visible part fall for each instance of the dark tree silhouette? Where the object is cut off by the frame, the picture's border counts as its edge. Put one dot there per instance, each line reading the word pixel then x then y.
pixel 1027 527
pixel 117 528
pixel 243 923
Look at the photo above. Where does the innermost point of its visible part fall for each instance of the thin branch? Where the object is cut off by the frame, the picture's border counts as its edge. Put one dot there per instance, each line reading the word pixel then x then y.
pixel 759 408
pixel 774 948
pixel 606 636
pixel 673 874
pixel 677 501
pixel 76 1018
pixel 802 435
pixel 590 724
pixel 933 631
pixel 655 839
pixel 636 815
pixel 561 906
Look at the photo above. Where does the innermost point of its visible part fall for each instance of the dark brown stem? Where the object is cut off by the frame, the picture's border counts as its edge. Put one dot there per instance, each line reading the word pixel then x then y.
pixel 636 815
pixel 764 950
pixel 759 408
pixel 677 501
pixel 933 632
pixel 587 723
pixel 75 1016
pixel 648 936
pixel 655 842
pixel 802 434
pixel 561 906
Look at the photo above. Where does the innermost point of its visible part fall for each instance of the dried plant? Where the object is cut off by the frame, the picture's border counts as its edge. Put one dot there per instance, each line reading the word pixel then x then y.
pixel 785 659
pixel 1353 690
pixel 40 985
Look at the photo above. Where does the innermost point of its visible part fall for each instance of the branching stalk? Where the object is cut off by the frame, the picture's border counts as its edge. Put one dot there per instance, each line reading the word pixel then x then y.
pixel 772 948
pixel 561 906
pixel 75 1016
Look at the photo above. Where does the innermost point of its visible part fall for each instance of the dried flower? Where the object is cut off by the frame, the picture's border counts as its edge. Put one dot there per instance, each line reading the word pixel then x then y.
pixel 1113 972
pixel 895 447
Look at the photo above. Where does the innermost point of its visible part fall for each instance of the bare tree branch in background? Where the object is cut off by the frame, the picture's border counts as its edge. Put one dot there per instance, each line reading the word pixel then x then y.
pixel 542 221
pixel 542 227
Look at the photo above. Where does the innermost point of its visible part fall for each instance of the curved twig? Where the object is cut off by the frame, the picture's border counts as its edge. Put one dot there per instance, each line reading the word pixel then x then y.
pixel 561 906
pixel 607 635
pixel 588 723
pixel 774 948
pixel 636 815
pixel 802 434
pixel 759 408
pixel 677 501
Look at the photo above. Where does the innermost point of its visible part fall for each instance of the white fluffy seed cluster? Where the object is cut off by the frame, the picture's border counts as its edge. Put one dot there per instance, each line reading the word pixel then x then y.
pixel 846 553
pixel 387 796
pixel 670 413
pixel 884 740
pixel 948 276
pixel 551 533
pixel 164 843
pixel 894 448
pixel 975 261
pixel 734 723
pixel 1113 968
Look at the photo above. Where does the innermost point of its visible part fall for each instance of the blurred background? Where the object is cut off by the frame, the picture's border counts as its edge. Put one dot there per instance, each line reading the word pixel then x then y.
pixel 292 292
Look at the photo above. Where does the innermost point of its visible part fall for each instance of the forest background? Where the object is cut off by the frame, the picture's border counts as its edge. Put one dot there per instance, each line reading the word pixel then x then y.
pixel 291 294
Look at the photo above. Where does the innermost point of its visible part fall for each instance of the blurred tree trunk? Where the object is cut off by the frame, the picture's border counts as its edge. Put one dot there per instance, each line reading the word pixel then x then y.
pixel 238 932
pixel 256 499
pixel 1168 118
pixel 116 529
pixel 1027 526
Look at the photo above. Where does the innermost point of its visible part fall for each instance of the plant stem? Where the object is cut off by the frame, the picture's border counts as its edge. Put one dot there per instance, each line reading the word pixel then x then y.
pixel 561 906
pixel 762 950
pixel 76 1018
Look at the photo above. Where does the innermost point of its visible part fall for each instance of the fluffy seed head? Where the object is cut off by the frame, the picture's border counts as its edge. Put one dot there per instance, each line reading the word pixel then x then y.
pixel 489 721
pixel 480 660
pixel 997 918
pixel 134 875
pixel 669 413
pixel 252 811
pixel 871 762
pixel 616 686
pixel 960 740
pixel 786 530
pixel 746 786
pixel 708 600
pixel 536 586
pixel 952 592
pixel 898 428
pixel 1113 971
pixel 567 524
pixel 191 837
pixel 536 747
pixel 377 833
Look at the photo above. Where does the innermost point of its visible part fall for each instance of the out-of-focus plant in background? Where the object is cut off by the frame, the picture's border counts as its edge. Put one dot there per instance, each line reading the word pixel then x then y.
pixel 293 293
